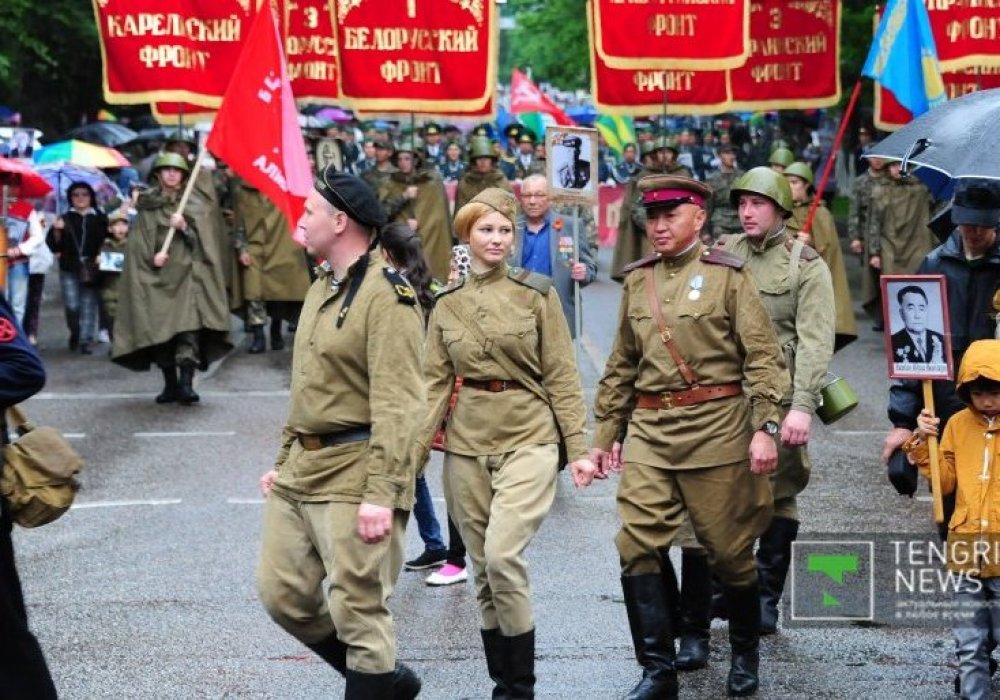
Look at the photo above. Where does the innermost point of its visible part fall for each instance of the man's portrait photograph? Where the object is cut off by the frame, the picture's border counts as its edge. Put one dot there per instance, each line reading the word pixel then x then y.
pixel 918 342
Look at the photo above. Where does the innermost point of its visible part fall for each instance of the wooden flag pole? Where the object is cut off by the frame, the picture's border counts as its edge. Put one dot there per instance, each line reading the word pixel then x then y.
pixel 4 262
pixel 184 199
pixel 577 303
pixel 932 446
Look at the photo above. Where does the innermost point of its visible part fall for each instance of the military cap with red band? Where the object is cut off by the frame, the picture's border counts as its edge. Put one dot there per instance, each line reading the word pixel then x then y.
pixel 673 190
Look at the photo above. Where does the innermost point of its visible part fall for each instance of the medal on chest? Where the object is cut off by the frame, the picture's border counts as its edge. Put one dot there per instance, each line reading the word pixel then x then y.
pixel 696 283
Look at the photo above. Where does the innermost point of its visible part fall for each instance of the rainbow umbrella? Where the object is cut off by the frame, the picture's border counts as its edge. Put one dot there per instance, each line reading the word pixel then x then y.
pixel 81 153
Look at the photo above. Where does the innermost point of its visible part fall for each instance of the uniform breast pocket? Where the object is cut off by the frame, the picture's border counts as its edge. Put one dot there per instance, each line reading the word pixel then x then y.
pixel 695 310
pixel 777 300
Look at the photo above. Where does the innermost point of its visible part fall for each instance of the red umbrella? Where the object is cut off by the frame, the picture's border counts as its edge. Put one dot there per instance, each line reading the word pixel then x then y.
pixel 17 173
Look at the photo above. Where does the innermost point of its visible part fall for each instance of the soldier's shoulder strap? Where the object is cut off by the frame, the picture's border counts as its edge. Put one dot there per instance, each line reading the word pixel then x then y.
pixel 641 262
pixel 808 253
pixel 540 283
pixel 718 256
pixel 457 284
pixel 404 292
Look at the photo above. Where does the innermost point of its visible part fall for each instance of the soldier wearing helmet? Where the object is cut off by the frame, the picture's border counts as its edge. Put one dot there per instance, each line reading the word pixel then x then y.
pixel 172 308
pixel 823 237
pixel 795 286
pixel 686 411
pixel 482 172
pixel 780 159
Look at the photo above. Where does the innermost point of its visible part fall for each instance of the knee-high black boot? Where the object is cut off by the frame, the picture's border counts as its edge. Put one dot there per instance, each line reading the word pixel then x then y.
pixel 185 390
pixel 369 686
pixel 744 639
pixel 650 604
pixel 519 668
pixel 774 555
pixel 169 393
pixel 405 683
pixel 496 657
pixel 694 621
pixel 257 344
pixel 277 342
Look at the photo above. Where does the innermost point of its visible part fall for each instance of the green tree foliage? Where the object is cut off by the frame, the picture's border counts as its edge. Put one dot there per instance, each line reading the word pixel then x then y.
pixel 551 38
pixel 50 63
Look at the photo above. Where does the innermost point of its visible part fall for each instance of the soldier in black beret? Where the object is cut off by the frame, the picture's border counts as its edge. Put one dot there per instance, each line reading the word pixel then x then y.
pixel 342 484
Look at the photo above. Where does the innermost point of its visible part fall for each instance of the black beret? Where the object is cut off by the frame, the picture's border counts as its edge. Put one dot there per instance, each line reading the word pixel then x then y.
pixel 352 195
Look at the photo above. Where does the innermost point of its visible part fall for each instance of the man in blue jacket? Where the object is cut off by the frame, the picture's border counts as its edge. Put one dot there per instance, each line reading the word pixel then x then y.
pixel 23 672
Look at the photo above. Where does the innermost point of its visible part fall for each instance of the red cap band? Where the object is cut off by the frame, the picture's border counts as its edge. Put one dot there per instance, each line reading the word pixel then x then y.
pixel 668 196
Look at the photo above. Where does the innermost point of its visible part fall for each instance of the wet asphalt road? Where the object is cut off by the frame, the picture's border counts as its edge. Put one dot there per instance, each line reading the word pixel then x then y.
pixel 146 588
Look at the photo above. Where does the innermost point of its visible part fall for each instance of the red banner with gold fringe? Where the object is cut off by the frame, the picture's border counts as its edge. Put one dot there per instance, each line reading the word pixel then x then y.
pixel 672 34
pixel 433 56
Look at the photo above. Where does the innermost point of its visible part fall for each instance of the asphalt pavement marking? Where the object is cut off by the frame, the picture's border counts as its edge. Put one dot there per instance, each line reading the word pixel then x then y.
pixel 246 501
pixel 74 436
pixel 124 504
pixel 192 433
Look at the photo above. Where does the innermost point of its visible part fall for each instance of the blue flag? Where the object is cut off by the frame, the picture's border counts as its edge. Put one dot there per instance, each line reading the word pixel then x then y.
pixel 903 57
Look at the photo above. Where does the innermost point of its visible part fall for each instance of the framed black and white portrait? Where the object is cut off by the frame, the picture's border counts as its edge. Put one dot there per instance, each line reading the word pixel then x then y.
pixel 917 329
pixel 571 163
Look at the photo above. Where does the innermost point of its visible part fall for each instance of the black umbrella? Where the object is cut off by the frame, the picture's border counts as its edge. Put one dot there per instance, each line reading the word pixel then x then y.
pixel 960 138
pixel 102 133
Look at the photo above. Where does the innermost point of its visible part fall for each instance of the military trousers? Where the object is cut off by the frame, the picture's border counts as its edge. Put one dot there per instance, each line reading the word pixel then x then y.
pixel 182 349
pixel 728 506
pixel 498 503
pixel 306 543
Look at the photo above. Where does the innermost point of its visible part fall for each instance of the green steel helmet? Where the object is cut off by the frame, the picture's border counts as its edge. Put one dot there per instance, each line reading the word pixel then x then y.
pixel 780 143
pixel 781 156
pixel 800 169
pixel 663 141
pixel 764 181
pixel 170 160
pixel 414 146
pixel 480 147
pixel 646 147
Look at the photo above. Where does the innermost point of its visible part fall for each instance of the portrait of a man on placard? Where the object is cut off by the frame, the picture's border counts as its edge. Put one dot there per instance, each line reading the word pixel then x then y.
pixel 918 341
pixel 572 162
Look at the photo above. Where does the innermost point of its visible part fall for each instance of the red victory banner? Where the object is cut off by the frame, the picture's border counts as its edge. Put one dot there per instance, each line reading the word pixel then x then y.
pixel 966 33
pixel 311 49
pixel 672 34
pixel 795 57
pixel 890 115
pixel 640 91
pixel 271 155
pixel 170 50
pixel 431 56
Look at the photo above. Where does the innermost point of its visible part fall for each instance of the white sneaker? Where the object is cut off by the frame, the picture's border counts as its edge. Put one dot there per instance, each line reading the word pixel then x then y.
pixel 447 575
pixel 103 336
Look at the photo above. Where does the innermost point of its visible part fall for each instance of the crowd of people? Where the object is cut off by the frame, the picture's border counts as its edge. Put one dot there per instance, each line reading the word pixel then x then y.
pixel 734 300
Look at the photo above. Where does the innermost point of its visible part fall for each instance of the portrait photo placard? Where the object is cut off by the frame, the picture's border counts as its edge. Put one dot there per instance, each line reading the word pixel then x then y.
pixel 571 163
pixel 917 327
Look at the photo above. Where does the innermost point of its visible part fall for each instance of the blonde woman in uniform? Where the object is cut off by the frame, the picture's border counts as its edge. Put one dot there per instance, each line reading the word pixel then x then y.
pixel 503 330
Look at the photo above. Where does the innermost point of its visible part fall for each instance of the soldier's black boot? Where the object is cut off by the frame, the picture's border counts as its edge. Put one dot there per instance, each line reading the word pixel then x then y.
pixel 774 555
pixel 718 604
pixel 277 342
pixel 333 651
pixel 73 323
pixel 744 639
pixel 185 390
pixel 257 345
pixel 694 621
pixel 369 686
pixel 496 653
pixel 169 393
pixel 519 667
pixel 649 604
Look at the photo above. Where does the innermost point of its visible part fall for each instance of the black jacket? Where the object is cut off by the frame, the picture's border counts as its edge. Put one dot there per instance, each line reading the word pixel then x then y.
pixel 21 370
pixel 971 286
pixel 82 237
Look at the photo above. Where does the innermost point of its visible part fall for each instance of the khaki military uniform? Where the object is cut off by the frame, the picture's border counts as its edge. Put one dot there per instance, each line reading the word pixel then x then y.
pixel 429 208
pixel 723 216
pixel 473 182
pixel 899 220
pixel 377 177
pixel 110 280
pixel 857 225
pixel 356 367
pixel 502 447
pixel 824 239
pixel 691 458
pixel 278 270
pixel 798 298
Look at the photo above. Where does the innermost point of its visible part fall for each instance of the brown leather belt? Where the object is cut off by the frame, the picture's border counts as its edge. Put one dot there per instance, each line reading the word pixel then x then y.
pixel 493 385
pixel 688 397
pixel 318 442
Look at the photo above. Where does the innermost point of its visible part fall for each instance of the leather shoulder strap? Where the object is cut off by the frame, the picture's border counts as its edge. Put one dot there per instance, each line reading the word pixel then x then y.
pixel 457 284
pixel 654 307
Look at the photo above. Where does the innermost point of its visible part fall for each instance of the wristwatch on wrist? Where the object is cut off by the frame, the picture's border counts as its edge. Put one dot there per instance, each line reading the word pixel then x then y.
pixel 770 427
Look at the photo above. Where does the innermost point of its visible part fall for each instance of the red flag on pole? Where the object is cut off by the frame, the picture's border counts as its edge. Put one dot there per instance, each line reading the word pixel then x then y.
pixel 526 97
pixel 256 131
